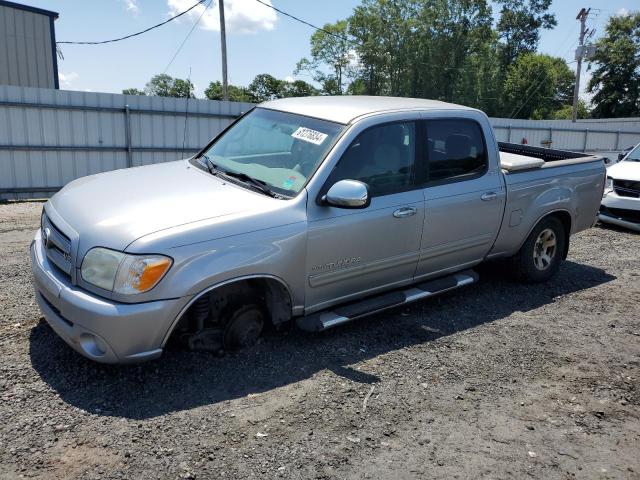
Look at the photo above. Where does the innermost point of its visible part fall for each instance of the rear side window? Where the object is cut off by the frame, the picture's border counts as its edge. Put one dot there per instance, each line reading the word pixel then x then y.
pixel 382 157
pixel 455 150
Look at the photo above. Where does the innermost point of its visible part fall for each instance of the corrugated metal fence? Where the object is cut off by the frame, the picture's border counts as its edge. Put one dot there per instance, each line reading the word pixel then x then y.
pixel 50 137
pixel 609 135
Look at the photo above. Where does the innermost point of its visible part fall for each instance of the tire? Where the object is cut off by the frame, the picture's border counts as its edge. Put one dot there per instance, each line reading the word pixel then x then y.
pixel 540 256
pixel 243 327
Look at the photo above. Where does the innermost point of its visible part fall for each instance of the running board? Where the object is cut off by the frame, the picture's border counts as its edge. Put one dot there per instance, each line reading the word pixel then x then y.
pixel 351 311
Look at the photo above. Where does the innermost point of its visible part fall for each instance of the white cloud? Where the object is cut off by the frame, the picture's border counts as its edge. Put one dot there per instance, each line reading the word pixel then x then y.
pixel 623 12
pixel 241 16
pixel 289 79
pixel 66 79
pixel 132 6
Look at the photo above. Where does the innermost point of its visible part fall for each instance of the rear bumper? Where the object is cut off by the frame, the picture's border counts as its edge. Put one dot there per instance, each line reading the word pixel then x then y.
pixel 104 331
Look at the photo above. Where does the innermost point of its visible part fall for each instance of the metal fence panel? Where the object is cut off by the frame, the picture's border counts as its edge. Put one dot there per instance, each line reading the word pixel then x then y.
pixel 50 137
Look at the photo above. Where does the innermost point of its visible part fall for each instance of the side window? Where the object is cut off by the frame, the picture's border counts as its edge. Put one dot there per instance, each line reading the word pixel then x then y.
pixel 455 149
pixel 382 157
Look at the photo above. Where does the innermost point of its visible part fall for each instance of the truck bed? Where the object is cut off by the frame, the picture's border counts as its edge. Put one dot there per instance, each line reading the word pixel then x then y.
pixel 516 158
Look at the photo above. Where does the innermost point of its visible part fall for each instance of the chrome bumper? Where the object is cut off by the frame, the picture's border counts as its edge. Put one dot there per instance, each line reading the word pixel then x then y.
pixel 104 331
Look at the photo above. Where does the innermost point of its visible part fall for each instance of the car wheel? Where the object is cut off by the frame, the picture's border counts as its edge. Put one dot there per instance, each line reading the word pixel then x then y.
pixel 243 327
pixel 539 258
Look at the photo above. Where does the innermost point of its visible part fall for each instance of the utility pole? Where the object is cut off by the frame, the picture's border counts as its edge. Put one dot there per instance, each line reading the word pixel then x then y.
pixel 582 16
pixel 223 43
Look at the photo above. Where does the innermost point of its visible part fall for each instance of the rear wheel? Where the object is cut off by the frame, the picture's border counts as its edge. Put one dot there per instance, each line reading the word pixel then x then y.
pixel 539 258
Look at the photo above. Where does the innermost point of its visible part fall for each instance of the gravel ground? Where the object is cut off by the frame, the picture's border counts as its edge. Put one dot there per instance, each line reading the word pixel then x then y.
pixel 498 380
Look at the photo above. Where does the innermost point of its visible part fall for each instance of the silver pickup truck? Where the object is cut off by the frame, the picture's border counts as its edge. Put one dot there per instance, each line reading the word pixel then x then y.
pixel 319 210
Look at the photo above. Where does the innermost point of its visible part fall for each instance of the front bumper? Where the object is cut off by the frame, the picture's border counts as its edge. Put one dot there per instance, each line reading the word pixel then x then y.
pixel 104 331
pixel 621 211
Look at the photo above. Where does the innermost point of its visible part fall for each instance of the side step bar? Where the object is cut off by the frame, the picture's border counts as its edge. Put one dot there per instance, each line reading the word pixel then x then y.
pixel 351 311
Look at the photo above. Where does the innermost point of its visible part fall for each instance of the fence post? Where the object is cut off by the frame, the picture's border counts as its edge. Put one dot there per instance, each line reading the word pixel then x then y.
pixel 617 140
pixel 586 135
pixel 509 134
pixel 127 134
pixel 550 137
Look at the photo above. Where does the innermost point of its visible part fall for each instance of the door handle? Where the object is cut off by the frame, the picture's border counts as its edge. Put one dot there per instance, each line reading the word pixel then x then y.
pixel 488 196
pixel 405 212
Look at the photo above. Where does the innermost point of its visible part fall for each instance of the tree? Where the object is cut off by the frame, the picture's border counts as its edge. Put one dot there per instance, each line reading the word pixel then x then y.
pixel 236 94
pixel 520 24
pixel 566 112
pixel 332 57
pixel 536 86
pixel 615 82
pixel 266 87
pixel 132 91
pixel 299 88
pixel 164 85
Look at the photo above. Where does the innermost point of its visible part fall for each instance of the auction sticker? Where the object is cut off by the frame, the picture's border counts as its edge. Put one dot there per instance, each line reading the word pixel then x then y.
pixel 308 135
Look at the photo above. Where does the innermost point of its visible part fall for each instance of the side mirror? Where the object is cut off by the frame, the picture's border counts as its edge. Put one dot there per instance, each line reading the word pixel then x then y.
pixel 348 194
pixel 620 156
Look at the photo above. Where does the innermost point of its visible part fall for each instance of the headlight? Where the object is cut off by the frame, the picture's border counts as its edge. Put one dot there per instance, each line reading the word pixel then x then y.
pixel 122 273
pixel 608 185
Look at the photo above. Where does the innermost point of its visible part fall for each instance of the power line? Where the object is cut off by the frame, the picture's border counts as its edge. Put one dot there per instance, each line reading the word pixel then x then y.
pixel 187 37
pixel 137 33
pixel 340 37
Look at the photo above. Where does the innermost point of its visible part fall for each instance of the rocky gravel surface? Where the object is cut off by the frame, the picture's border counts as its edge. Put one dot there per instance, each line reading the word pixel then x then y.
pixel 497 380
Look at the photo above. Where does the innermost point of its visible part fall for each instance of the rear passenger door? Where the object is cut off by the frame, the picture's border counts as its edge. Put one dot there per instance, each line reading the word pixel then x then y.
pixel 464 195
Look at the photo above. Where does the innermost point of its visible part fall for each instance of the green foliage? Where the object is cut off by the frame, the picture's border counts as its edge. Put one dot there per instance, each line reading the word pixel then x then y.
pixel 236 94
pixel 566 112
pixel 299 88
pixel 519 26
pixel 332 58
pixel 536 86
pixel 266 87
pixel 132 91
pixel 166 86
pixel 615 82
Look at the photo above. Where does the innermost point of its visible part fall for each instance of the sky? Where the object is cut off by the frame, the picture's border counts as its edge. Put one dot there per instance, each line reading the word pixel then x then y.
pixel 259 40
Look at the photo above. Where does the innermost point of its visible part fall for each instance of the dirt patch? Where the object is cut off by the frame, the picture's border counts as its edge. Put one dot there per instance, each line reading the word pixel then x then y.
pixel 497 380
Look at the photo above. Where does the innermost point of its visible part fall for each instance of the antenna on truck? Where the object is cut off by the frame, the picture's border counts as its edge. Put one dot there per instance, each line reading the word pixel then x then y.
pixel 186 113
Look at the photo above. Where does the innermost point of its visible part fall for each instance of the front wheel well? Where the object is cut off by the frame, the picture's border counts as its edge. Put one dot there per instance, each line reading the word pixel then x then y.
pixel 212 306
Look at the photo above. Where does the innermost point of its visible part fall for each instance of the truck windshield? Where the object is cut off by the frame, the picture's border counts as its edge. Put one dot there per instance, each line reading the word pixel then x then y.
pixel 279 150
pixel 634 155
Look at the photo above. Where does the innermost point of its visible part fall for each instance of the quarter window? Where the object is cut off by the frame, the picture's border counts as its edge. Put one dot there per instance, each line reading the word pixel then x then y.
pixel 383 157
pixel 455 150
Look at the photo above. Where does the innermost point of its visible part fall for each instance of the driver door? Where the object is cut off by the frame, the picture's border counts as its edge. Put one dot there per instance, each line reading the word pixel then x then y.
pixel 357 252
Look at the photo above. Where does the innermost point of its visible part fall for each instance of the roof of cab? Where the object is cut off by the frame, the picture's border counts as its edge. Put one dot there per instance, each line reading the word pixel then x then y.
pixel 346 108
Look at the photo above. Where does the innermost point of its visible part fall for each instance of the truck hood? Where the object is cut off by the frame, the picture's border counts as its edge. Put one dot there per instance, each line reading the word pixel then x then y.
pixel 114 209
pixel 626 170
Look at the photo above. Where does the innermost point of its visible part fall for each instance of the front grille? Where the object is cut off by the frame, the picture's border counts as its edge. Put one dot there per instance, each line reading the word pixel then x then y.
pixel 627 188
pixel 632 216
pixel 57 245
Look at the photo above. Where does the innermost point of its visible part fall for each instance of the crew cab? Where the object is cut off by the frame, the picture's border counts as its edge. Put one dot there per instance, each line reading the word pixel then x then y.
pixel 316 210
pixel 621 200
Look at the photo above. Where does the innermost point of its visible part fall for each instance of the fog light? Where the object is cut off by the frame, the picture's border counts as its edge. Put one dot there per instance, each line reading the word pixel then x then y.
pixel 94 346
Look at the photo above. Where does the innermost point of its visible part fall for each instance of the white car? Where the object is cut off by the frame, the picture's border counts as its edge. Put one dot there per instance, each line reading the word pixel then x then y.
pixel 621 199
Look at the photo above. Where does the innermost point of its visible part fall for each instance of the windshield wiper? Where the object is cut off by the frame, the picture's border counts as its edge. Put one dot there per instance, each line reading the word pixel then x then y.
pixel 212 167
pixel 243 177
pixel 254 182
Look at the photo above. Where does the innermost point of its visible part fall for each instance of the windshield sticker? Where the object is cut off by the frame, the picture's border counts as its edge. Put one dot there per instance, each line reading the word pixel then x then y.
pixel 309 135
pixel 288 183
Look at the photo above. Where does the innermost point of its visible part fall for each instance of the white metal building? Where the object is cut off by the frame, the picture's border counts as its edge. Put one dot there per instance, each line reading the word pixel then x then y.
pixel 27 46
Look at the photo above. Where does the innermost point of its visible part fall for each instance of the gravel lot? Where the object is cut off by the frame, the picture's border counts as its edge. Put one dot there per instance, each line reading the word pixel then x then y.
pixel 498 380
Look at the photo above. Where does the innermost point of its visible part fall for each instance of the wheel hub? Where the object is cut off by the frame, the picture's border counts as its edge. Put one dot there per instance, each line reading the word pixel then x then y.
pixel 544 249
